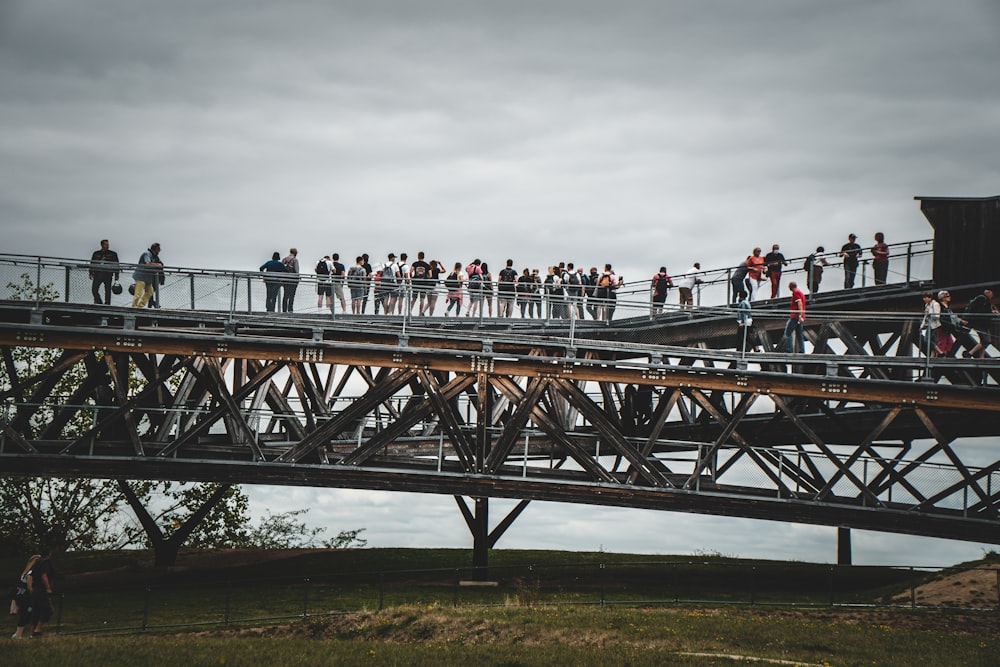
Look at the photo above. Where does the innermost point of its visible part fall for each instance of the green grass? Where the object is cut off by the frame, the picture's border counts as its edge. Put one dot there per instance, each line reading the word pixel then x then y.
pixel 532 636
pixel 405 607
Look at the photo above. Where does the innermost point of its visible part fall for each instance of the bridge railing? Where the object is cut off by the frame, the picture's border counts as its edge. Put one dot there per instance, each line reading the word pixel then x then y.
pixel 40 278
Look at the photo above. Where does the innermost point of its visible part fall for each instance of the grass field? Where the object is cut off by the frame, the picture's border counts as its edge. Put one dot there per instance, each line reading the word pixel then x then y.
pixel 549 612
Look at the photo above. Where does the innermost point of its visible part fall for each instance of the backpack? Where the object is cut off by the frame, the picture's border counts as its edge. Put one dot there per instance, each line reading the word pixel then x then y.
pixel 476 279
pixel 662 283
pixel 807 265
pixel 322 268
pixel 452 282
pixel 289 266
pixel 388 274
pixel 604 280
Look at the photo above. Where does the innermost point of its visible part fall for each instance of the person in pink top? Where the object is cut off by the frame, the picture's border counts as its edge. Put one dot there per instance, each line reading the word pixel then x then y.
pixel 795 319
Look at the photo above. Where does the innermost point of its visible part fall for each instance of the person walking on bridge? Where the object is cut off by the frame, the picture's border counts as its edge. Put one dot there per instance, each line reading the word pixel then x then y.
pixel 147 276
pixel 793 328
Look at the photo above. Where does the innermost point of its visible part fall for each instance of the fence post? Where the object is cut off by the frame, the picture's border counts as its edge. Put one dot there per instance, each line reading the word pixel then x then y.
pixel 753 584
pixel 191 280
pixel 229 598
pixel 66 297
pixel 381 591
pixel 305 597
pixel 913 590
pixel 145 610
pixel 600 577
pixel 832 573
pixel 62 599
pixel 454 599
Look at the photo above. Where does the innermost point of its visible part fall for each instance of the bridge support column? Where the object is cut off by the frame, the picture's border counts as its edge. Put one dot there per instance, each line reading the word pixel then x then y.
pixel 481 534
pixel 843 545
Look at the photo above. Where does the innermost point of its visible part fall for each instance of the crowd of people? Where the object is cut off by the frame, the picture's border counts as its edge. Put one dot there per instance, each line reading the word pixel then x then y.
pixel 944 332
pixel 398 284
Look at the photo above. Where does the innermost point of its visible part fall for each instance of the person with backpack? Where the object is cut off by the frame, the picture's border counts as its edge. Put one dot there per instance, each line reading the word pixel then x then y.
pixel 387 285
pixel 506 289
pixel 324 267
pixel 356 284
pixel 590 289
pixel 291 281
pixel 487 289
pixel 338 272
pixel 453 283
pixel 575 290
pixel 474 273
pixel 607 283
pixel 659 287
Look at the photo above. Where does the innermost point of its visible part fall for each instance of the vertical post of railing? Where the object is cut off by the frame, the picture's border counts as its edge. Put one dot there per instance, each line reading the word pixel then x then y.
pixel 191 282
pixel 832 571
pixel 909 261
pixel 781 467
pixel 864 271
pixel 66 284
pixel 524 466
pixel 913 590
pixel 440 449
pixel 232 297
pixel 38 281
pixel 730 295
pixel 697 465
pixel 753 585
pixel 249 296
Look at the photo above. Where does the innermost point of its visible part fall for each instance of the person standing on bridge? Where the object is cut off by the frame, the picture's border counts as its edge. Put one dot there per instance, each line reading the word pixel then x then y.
pixel 755 271
pixel 880 258
pixel 775 261
pixel 850 252
pixel 272 283
pixel 659 287
pixel 793 328
pixel 147 276
pixel 291 282
pixel 103 267
pixel 685 285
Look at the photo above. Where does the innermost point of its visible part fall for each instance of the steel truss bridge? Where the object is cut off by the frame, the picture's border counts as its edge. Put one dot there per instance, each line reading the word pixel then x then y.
pixel 665 412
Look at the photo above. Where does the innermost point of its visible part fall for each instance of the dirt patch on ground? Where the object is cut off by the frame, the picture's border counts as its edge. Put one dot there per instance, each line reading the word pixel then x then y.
pixel 973 589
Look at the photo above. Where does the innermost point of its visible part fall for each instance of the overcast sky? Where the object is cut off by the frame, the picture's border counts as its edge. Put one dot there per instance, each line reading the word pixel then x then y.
pixel 637 133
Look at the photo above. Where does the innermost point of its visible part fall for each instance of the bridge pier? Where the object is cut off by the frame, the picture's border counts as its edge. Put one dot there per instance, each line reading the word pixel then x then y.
pixel 843 545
